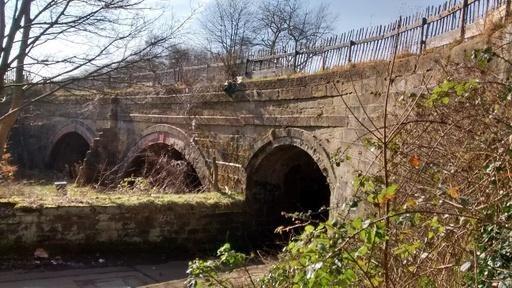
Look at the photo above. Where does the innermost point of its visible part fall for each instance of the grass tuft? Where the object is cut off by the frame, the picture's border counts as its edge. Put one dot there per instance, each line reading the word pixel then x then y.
pixel 45 195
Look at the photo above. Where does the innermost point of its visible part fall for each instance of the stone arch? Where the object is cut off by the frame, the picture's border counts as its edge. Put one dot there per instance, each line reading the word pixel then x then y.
pixel 177 139
pixel 76 130
pixel 294 137
pixel 290 171
pixel 77 126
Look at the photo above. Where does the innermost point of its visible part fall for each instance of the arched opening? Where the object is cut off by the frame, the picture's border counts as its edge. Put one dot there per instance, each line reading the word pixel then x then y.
pixel 68 153
pixel 165 168
pixel 286 180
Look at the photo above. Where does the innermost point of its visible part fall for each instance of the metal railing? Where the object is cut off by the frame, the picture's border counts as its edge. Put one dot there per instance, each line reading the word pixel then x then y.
pixel 449 22
pixel 377 43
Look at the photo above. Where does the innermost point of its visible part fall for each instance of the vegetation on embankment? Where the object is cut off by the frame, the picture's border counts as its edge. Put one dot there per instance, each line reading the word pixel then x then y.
pixel 46 195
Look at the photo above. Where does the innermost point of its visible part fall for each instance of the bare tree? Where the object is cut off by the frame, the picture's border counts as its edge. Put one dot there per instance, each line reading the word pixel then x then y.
pixel 306 26
pixel 228 25
pixel 99 36
pixel 179 57
pixel 292 23
pixel 272 24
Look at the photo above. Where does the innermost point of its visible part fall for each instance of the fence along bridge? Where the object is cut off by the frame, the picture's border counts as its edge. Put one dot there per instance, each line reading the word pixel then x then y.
pixel 435 26
pixel 278 141
pixel 377 43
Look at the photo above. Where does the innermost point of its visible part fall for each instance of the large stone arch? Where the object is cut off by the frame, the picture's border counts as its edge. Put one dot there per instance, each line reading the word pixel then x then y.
pixel 74 126
pixel 176 138
pixel 290 171
pixel 294 137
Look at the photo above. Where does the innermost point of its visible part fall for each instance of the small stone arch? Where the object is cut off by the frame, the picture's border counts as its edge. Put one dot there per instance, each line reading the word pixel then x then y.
pixel 76 126
pixel 176 138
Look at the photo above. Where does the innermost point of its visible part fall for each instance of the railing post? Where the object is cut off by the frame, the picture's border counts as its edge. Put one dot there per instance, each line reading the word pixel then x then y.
pixel 463 19
pixel 247 67
pixel 508 6
pixel 323 59
pixel 423 37
pixel 350 45
pixel 295 60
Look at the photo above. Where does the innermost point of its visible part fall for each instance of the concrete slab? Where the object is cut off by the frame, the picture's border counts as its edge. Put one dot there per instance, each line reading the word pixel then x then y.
pixel 160 273
pixel 111 277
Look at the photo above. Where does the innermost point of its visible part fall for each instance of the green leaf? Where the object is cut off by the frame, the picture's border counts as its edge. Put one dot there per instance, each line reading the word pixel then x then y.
pixel 357 223
pixel 361 251
pixel 309 229
pixel 387 194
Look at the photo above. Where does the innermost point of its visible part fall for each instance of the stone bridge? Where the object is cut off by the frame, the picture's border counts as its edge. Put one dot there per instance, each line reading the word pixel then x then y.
pixel 282 142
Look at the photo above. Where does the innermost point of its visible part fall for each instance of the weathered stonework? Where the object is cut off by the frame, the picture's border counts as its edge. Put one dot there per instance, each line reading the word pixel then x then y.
pixel 320 114
pixel 189 227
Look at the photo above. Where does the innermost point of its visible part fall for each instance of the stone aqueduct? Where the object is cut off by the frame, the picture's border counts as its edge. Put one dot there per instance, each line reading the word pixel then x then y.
pixel 284 135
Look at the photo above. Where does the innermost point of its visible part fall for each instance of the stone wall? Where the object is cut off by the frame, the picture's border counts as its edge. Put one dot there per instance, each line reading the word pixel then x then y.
pixel 185 227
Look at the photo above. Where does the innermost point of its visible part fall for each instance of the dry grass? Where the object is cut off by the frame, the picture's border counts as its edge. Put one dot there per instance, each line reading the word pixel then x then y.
pixel 46 195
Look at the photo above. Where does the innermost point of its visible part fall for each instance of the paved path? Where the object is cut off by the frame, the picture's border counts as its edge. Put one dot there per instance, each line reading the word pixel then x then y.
pixel 111 277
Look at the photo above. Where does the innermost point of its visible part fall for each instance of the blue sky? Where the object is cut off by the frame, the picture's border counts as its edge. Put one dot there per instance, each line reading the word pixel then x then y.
pixel 349 14
pixel 362 13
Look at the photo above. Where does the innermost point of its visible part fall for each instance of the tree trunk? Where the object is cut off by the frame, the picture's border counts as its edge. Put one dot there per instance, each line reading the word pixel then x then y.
pixel 8 122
